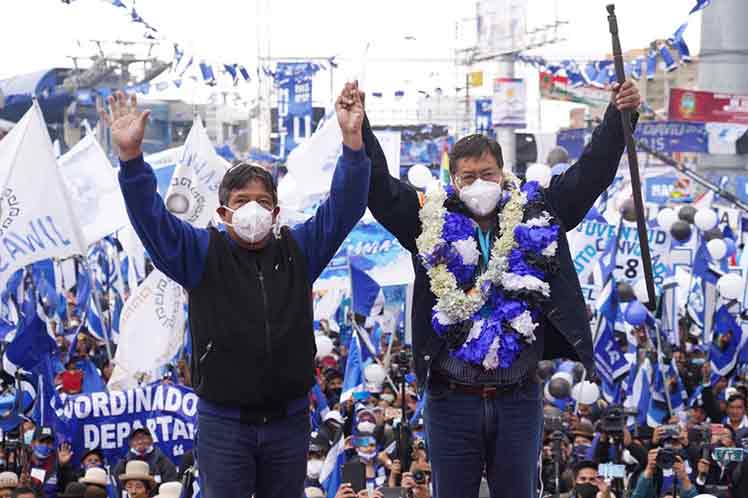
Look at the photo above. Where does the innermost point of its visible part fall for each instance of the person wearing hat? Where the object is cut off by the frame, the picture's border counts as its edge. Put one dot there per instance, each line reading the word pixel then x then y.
pixel 333 385
pixel 95 492
pixel 48 469
pixel 142 449
pixel 91 459
pixel 73 490
pixel 250 300
pixel 95 476
pixel 170 490
pixel 8 482
pixel 318 448
pixel 137 479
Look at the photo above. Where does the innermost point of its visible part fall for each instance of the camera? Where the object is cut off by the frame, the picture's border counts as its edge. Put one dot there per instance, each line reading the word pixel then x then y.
pixel 670 432
pixel 419 477
pixel 666 458
pixel 553 423
pixel 614 421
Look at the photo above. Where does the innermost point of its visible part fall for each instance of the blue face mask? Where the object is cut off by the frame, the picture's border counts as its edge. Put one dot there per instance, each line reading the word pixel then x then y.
pixel 28 437
pixel 42 451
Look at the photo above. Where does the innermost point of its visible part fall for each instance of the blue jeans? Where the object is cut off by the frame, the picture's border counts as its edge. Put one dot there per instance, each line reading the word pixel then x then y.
pixel 240 460
pixel 467 434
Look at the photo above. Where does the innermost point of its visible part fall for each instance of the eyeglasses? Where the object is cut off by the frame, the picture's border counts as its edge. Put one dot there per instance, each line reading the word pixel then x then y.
pixel 467 179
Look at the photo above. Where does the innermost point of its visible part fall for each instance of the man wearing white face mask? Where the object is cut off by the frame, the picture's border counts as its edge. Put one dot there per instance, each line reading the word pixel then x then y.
pixel 250 304
pixel 495 292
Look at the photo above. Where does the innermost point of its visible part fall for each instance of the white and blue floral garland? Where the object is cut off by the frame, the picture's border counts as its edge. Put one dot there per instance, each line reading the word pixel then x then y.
pixel 488 320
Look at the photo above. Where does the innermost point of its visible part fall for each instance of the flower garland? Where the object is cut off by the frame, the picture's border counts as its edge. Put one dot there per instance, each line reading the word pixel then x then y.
pixel 488 320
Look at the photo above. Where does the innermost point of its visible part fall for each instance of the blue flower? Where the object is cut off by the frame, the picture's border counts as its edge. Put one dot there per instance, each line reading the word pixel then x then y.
pixel 475 351
pixel 518 265
pixel 509 349
pixel 462 272
pixel 532 189
pixel 535 239
pixel 457 227
pixel 439 328
pixel 506 310
pixel 450 190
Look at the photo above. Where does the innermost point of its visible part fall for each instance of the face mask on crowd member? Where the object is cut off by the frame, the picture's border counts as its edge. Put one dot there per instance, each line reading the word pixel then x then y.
pixel 586 483
pixel 92 460
pixel 141 443
pixel 249 205
pixel 314 467
pixel 476 167
pixel 366 448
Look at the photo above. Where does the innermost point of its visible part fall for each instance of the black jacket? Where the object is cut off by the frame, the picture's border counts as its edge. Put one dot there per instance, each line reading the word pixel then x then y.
pixel 569 197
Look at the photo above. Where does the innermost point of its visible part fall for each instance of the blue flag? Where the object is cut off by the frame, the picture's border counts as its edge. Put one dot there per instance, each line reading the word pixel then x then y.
pixel 353 379
pixel 364 288
pixel 32 343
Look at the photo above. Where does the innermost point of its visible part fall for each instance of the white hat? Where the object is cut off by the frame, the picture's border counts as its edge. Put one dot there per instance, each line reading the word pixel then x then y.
pixel 170 490
pixel 334 415
pixel 8 480
pixel 96 476
pixel 314 492
pixel 135 470
pixel 585 392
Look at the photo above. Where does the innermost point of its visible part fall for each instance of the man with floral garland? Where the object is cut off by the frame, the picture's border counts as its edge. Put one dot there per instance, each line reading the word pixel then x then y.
pixel 495 292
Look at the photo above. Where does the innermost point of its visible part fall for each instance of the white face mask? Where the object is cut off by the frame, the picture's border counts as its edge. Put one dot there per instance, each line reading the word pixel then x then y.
pixel 366 456
pixel 366 427
pixel 628 458
pixel 251 222
pixel 481 197
pixel 314 468
pixel 389 398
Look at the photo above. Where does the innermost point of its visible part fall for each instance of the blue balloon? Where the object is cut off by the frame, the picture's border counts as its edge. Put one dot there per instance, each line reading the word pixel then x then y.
pixel 635 314
pixel 732 249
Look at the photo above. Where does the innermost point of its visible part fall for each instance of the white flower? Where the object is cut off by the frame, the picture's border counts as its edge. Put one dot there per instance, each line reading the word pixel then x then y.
pixel 514 282
pixel 543 220
pixel 550 250
pixel 524 325
pixel 491 361
pixel 468 250
pixel 443 318
pixel 475 331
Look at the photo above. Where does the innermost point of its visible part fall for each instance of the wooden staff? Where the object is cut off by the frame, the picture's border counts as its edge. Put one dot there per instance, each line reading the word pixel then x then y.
pixel 636 184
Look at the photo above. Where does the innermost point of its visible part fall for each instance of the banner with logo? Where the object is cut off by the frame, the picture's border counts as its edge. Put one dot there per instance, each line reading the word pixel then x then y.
pixel 663 189
pixel 483 121
pixel 294 105
pixel 37 218
pixel 193 190
pixel 588 241
pixel 105 420
pixel 690 105
pixel 152 315
pixel 673 136
pixel 509 103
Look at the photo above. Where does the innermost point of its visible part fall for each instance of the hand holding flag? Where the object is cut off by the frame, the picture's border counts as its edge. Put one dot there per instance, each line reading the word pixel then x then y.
pixel 126 123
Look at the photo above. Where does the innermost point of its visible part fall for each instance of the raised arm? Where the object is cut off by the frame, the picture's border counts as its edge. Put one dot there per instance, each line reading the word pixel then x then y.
pixel 177 248
pixel 393 203
pixel 321 236
pixel 573 193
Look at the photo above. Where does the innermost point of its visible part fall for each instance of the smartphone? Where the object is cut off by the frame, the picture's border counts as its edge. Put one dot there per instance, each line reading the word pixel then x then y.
pixel 354 473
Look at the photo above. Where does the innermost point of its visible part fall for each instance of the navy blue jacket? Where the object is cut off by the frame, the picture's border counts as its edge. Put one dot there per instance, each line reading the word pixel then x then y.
pixel 569 197
pixel 179 249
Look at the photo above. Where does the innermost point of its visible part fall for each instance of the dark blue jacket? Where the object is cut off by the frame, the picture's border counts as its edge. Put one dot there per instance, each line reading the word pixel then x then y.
pixel 179 249
pixel 569 197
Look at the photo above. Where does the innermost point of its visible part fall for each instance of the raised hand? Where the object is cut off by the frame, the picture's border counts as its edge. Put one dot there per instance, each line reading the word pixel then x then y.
pixel 350 111
pixel 126 123
pixel 64 454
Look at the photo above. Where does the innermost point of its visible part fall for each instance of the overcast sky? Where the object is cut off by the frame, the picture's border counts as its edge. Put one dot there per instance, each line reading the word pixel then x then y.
pixel 37 34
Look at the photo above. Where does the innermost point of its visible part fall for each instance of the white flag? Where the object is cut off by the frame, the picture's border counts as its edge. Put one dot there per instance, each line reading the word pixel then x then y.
pixel 154 316
pixel 37 219
pixel 94 190
pixel 193 191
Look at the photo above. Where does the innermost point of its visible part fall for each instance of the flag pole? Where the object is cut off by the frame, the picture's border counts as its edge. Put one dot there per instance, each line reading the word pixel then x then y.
pixel 636 186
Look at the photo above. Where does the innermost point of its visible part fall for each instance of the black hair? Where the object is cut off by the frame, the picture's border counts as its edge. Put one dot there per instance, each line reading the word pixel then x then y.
pixel 736 397
pixel 24 491
pixel 474 146
pixel 584 464
pixel 240 175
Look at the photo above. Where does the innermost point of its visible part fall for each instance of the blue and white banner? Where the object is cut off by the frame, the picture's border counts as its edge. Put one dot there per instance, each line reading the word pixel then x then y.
pixel 294 106
pixel 673 136
pixel 105 420
pixel 483 122
pixel 589 240
pixel 663 189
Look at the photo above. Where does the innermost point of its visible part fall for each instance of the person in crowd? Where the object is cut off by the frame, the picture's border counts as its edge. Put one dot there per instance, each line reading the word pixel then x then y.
pixel 250 302
pixel 73 490
pixel 170 490
pixel 47 468
pixel 418 481
pixel 650 483
pixel 91 471
pixel 316 459
pixel 346 491
pixel 95 492
pixel 26 492
pixel 71 380
pixel 365 446
pixel 8 482
pixel 587 482
pixel 476 372
pixel 736 417
pixel 142 449
pixel 137 479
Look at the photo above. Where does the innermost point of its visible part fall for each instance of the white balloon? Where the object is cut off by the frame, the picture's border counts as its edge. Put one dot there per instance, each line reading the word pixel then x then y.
pixel 730 286
pixel 717 249
pixel 585 392
pixel 705 219
pixel 539 173
pixel 324 346
pixel 569 378
pixel 666 218
pixel 419 176
pixel 374 374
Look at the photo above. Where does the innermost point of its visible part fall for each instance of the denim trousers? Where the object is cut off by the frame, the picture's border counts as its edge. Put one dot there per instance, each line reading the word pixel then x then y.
pixel 467 434
pixel 239 460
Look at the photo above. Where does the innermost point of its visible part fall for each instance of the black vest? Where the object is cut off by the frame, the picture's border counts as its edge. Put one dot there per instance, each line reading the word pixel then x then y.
pixel 252 326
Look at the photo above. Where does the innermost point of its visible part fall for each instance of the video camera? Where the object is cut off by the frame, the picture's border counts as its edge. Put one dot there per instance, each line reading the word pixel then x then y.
pixel 613 420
